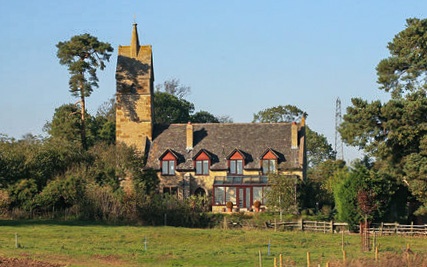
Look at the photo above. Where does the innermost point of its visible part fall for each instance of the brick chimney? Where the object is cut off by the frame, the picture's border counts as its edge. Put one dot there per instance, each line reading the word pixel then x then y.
pixel 189 133
pixel 294 135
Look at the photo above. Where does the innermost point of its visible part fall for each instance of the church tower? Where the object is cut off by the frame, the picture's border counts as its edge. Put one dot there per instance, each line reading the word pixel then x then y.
pixel 134 93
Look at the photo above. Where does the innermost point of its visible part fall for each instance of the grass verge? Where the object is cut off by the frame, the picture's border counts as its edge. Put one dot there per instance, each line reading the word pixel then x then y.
pixel 87 244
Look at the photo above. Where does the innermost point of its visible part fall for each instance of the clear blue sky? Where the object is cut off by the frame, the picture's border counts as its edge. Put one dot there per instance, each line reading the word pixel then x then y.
pixel 238 57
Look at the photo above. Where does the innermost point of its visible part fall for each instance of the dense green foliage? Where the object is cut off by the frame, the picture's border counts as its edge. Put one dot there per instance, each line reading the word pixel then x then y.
pixel 284 193
pixel 171 109
pixel 394 132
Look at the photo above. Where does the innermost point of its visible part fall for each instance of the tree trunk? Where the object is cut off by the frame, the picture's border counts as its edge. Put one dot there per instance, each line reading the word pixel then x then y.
pixel 83 118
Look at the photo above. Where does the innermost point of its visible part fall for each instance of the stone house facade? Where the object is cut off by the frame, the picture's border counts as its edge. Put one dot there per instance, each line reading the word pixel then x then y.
pixel 224 161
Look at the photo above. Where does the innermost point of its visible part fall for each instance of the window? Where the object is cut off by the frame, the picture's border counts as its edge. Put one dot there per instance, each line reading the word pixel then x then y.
pixel 258 194
pixel 219 195
pixel 170 190
pixel 202 167
pixel 168 167
pixel 168 162
pixel 236 166
pixel 268 166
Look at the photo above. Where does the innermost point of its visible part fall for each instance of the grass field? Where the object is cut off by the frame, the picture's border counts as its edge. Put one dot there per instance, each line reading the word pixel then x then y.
pixel 86 244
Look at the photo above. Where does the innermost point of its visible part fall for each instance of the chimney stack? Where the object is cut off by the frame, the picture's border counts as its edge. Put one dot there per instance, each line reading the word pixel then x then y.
pixel 294 135
pixel 189 131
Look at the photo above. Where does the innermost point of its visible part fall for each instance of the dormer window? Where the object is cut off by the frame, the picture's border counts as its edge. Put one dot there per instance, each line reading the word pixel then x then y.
pixel 168 167
pixel 202 162
pixel 236 166
pixel 168 162
pixel 268 166
pixel 202 167
pixel 269 161
pixel 236 161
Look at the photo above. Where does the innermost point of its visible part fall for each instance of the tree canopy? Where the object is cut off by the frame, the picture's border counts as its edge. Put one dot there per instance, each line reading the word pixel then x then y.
pixel 83 55
pixel 318 148
pixel 171 109
pixel 395 132
pixel 286 113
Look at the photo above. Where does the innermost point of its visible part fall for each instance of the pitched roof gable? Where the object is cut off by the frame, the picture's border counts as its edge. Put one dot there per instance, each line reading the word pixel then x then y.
pixel 221 139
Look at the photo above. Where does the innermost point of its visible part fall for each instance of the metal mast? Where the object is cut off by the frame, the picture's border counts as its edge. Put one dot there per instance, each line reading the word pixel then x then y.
pixel 338 142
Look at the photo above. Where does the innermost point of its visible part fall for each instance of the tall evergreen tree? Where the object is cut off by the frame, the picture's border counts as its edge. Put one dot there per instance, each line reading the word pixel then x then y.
pixel 395 132
pixel 83 54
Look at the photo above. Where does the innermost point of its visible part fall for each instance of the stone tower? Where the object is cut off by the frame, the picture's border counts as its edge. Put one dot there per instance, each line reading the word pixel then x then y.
pixel 134 96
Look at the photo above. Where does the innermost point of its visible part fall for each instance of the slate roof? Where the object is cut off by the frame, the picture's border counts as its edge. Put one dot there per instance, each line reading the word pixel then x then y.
pixel 220 139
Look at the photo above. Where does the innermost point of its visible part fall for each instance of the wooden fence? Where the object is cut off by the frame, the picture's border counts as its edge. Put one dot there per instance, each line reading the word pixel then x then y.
pixel 312 226
pixel 398 229
pixel 334 227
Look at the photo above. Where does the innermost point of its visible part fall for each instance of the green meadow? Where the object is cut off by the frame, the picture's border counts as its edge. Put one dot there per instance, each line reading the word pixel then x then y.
pixel 87 244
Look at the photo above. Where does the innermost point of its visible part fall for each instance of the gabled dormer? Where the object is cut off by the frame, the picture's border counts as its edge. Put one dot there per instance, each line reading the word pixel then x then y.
pixel 269 161
pixel 236 161
pixel 168 162
pixel 202 162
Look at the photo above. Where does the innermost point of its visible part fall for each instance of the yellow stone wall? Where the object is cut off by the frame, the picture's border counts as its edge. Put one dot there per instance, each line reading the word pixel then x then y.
pixel 134 97
pixel 205 181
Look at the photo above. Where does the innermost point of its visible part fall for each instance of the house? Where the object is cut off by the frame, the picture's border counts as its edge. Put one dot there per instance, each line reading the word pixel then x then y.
pixel 224 161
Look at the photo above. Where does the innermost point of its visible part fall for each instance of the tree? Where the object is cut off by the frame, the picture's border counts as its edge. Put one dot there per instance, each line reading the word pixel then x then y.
pixel 66 123
pixel 225 119
pixel 286 113
pixel 174 87
pixel 405 70
pixel 83 54
pixel 283 193
pixel 321 180
pixel 105 122
pixel 364 192
pixel 395 132
pixel 318 148
pixel 203 117
pixel 171 109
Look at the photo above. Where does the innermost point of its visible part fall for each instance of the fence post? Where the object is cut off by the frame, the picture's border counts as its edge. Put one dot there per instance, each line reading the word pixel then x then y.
pixel 381 229
pixel 344 258
pixel 412 228
pixel 302 225
pixel 16 240
pixel 376 253
pixel 332 227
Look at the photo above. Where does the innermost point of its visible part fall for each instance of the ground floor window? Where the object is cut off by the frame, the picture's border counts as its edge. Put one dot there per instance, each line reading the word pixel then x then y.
pixel 171 190
pixel 242 191
pixel 241 196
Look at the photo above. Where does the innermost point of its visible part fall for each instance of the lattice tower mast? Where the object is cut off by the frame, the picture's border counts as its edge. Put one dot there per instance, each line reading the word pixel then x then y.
pixel 338 142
